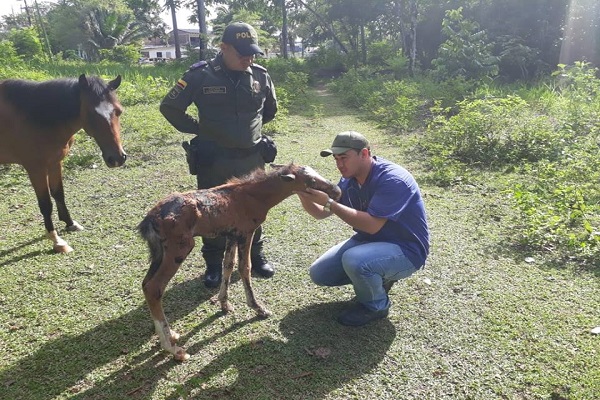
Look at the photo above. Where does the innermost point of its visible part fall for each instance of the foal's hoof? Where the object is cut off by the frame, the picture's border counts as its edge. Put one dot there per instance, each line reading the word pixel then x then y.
pixel 181 355
pixel 263 313
pixel 62 248
pixel 75 227
pixel 226 307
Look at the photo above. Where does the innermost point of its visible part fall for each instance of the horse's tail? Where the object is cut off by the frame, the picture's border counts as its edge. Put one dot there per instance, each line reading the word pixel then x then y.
pixel 148 230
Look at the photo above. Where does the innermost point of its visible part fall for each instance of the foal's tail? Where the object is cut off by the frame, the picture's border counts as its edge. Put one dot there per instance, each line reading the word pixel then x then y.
pixel 148 230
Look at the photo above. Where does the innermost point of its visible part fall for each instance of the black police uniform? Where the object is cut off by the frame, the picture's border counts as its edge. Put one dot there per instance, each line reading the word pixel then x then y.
pixel 232 107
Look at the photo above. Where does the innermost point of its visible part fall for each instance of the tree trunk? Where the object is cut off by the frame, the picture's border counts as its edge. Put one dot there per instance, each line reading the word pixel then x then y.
pixel 175 30
pixel 363 45
pixel 414 13
pixel 201 15
pixel 408 34
pixel 284 31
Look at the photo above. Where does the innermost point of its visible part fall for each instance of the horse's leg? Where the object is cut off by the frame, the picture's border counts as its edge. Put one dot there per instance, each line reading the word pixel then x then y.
pixel 228 263
pixel 39 181
pixel 175 250
pixel 57 191
pixel 244 268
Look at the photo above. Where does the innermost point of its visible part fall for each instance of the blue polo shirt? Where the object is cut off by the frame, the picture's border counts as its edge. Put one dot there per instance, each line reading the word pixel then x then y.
pixel 391 192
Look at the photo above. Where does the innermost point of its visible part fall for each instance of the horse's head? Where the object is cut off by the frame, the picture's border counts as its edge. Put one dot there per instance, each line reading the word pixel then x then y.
pixel 100 111
pixel 306 177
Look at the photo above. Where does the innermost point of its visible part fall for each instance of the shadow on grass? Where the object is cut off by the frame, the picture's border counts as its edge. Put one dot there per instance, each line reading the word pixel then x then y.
pixel 317 357
pixel 5 253
pixel 66 363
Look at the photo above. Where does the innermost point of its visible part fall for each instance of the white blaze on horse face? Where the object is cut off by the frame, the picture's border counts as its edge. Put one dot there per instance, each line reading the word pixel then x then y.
pixel 105 110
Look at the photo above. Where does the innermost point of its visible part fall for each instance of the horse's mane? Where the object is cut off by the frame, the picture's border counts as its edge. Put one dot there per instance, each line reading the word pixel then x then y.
pixel 261 175
pixel 50 102
pixel 98 86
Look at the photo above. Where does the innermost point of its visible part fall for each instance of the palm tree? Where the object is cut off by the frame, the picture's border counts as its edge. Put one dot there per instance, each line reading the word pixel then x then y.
pixel 173 5
pixel 201 15
pixel 108 29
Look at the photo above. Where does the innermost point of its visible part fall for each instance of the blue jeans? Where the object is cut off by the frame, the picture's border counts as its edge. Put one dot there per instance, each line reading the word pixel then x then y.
pixel 366 265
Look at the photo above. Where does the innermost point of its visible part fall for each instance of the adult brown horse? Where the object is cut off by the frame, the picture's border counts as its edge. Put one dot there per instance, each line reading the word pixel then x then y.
pixel 233 210
pixel 38 121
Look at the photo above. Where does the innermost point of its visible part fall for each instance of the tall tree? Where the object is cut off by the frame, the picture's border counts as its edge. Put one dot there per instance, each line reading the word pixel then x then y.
pixel 172 5
pixel 326 24
pixel 201 15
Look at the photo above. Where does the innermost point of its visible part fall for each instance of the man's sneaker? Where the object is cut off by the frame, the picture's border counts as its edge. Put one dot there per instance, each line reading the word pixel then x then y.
pixel 358 315
pixel 261 266
pixel 212 277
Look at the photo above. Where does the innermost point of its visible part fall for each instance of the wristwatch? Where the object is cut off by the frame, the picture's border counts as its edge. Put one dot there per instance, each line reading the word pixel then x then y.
pixel 327 206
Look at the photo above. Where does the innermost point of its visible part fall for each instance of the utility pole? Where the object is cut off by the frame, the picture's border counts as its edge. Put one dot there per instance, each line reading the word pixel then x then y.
pixel 42 29
pixel 27 12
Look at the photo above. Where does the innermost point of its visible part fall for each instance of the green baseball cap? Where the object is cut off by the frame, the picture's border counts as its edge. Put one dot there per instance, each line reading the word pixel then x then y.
pixel 243 37
pixel 345 141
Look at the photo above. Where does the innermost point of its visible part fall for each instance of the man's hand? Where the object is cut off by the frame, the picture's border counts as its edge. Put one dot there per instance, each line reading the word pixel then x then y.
pixel 313 196
pixel 312 201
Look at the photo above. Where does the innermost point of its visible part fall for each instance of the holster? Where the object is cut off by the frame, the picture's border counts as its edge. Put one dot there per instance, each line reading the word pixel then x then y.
pixel 190 157
pixel 268 149
pixel 199 153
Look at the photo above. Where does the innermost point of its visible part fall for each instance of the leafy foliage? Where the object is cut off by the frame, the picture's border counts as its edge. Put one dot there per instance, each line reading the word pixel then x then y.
pixel 466 51
pixel 27 43
pixel 493 132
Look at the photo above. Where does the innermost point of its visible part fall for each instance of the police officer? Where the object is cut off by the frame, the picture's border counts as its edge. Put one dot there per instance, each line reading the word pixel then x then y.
pixel 234 97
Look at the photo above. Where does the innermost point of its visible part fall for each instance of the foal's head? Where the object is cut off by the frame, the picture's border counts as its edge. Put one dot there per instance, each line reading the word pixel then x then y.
pixel 100 111
pixel 305 177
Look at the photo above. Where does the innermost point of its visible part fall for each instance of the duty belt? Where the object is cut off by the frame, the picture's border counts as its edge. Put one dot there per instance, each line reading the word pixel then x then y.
pixel 235 152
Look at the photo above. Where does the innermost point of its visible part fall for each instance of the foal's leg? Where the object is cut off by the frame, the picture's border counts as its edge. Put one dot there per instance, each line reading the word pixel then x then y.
pixel 228 263
pixel 175 251
pixel 39 181
pixel 57 191
pixel 244 268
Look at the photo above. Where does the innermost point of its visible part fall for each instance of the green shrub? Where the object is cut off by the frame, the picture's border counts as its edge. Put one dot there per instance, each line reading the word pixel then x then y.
pixel 560 208
pixel 395 105
pixel 124 54
pixel 279 67
pixel 27 43
pixel 353 86
pixel 494 132
pixel 466 51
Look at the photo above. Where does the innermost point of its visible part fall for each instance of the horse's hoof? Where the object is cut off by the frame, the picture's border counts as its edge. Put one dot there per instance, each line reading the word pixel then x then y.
pixel 62 248
pixel 226 308
pixel 75 227
pixel 181 355
pixel 263 313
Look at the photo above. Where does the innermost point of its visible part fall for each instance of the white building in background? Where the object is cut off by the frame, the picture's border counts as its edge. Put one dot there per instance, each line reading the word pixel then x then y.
pixel 159 50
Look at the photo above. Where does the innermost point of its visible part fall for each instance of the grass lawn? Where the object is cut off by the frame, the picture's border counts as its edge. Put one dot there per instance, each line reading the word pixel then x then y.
pixel 481 321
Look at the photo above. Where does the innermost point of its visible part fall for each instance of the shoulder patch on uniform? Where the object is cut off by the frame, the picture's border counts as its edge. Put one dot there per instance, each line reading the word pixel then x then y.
pixel 199 64
pixel 260 67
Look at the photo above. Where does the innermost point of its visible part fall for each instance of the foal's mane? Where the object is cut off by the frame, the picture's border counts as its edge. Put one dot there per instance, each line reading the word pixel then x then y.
pixel 259 175
pixel 52 102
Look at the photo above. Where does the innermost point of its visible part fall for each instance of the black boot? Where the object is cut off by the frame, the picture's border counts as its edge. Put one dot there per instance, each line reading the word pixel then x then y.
pixel 212 252
pixel 212 277
pixel 260 265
